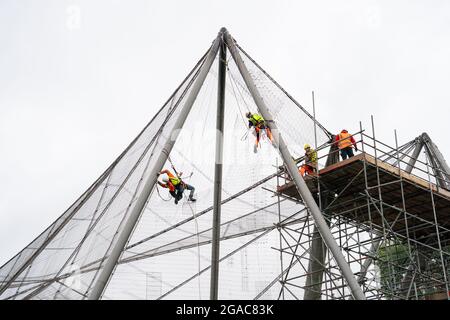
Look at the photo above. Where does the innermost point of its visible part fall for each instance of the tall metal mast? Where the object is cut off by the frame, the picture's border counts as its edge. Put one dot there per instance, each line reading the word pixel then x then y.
pixel 215 247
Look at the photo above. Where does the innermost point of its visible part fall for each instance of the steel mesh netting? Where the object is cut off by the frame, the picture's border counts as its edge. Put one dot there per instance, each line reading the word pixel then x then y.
pixel 170 245
pixel 295 123
pixel 81 238
pixel 174 254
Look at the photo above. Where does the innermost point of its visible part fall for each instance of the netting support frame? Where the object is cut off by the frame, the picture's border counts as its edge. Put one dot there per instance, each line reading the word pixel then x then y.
pixel 141 201
pixel 293 171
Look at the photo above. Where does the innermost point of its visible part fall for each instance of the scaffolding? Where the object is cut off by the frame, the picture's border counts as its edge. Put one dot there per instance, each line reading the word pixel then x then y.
pixel 389 212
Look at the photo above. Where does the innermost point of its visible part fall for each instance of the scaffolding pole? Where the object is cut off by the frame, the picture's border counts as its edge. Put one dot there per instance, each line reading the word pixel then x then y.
pixel 293 171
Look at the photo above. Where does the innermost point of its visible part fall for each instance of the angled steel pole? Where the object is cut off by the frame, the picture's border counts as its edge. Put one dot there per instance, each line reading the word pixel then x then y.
pixel 293 171
pixel 437 171
pixel 415 155
pixel 215 246
pixel 314 279
pixel 440 167
pixel 113 257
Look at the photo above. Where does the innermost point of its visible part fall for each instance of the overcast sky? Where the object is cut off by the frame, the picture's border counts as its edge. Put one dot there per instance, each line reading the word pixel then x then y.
pixel 79 80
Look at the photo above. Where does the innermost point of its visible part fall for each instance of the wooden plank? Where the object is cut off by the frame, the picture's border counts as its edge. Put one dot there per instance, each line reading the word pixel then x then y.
pixel 416 192
pixel 419 181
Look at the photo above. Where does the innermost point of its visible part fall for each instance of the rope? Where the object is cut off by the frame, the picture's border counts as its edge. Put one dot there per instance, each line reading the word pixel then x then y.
pixel 178 176
pixel 198 250
pixel 245 136
pixel 173 167
pixel 243 87
pixel 195 221
pixel 159 194
pixel 196 229
pixel 176 172
pixel 235 96
pixel 239 91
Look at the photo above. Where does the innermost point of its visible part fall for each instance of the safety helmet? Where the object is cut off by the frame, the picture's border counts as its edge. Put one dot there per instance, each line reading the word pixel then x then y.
pixel 248 114
pixel 165 180
pixel 306 146
pixel 343 130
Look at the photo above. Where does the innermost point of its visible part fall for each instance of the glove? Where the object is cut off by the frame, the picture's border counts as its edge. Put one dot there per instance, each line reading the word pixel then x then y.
pixel 158 173
pixel 356 148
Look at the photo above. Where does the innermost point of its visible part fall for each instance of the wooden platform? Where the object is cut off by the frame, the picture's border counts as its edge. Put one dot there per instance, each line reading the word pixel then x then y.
pixel 416 191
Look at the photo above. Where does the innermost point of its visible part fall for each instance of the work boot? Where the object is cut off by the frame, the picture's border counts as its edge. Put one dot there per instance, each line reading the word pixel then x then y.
pixel 176 201
pixel 255 148
pixel 192 199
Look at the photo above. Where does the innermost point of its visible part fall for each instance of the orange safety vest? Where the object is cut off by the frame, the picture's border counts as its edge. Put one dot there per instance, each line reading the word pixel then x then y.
pixel 173 181
pixel 344 140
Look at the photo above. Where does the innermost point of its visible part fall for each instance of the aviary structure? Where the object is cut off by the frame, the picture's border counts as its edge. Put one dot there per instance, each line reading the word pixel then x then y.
pixel 372 227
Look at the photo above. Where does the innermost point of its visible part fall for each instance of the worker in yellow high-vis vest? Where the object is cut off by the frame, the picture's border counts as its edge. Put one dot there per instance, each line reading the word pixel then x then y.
pixel 310 165
pixel 345 143
pixel 257 121
pixel 176 186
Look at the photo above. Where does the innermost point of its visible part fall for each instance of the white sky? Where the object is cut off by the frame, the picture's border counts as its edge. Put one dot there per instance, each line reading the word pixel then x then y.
pixel 80 79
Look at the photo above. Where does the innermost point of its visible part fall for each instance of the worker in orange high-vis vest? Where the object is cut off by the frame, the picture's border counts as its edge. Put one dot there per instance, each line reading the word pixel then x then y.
pixel 345 143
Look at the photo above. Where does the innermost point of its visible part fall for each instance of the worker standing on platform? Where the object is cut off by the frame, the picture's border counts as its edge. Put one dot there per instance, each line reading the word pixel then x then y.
pixel 345 142
pixel 257 121
pixel 176 186
pixel 310 165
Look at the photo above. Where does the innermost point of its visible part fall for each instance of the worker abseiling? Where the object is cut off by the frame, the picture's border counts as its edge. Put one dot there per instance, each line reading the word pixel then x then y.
pixel 176 186
pixel 310 165
pixel 257 121
pixel 346 142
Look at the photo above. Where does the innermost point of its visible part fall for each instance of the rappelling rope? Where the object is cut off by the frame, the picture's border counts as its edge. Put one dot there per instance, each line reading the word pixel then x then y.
pixel 198 250
pixel 195 221
pixel 232 80
pixel 235 96
pixel 173 167
pixel 178 176
pixel 237 87
pixel 196 225
pixel 159 194
pixel 244 137
pixel 176 172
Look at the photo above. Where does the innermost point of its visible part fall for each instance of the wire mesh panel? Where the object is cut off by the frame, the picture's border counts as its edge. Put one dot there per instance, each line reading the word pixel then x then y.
pixel 79 241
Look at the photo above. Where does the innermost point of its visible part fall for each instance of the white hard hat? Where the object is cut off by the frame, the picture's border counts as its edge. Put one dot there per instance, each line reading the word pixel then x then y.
pixel 165 180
